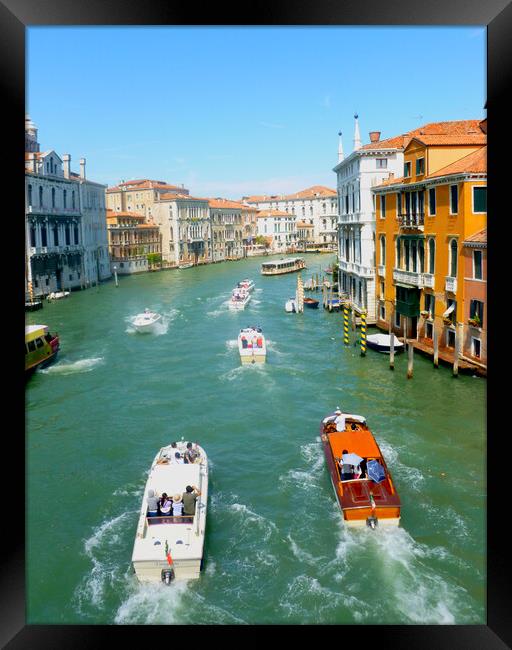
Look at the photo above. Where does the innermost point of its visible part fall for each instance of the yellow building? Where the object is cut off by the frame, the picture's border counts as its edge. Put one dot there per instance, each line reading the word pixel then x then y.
pixel 131 241
pixel 422 220
pixel 139 196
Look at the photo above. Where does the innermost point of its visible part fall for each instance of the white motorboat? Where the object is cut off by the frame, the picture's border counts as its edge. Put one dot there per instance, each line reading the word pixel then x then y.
pixel 186 265
pixel 170 547
pixel 246 284
pixel 382 343
pixel 58 295
pixel 290 306
pixel 239 298
pixel 145 322
pixel 252 345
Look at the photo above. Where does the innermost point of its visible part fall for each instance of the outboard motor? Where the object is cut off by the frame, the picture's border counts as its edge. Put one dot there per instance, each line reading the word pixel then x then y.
pixel 168 576
pixel 372 522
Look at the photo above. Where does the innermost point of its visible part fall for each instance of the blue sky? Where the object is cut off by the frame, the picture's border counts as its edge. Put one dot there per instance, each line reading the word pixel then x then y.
pixel 229 111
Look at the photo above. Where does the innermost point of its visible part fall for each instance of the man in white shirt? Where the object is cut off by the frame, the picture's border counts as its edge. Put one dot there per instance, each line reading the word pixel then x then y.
pixel 339 420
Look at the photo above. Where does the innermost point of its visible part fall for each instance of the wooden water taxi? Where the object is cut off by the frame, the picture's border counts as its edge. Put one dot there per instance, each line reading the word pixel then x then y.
pixel 41 347
pixel 169 546
pixel 311 303
pixel 366 495
pixel 288 265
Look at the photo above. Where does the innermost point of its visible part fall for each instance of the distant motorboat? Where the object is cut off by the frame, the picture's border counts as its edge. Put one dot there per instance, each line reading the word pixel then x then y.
pixel 290 306
pixel 145 322
pixel 57 295
pixel 382 343
pixel 186 265
pixel 239 298
pixel 252 345
pixel 246 284
pixel 311 303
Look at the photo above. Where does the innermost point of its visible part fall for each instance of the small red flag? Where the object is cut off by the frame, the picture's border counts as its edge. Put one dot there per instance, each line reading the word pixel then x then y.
pixel 169 558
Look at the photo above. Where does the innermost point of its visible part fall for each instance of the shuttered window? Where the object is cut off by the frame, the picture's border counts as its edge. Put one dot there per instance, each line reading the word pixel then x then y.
pixel 479 199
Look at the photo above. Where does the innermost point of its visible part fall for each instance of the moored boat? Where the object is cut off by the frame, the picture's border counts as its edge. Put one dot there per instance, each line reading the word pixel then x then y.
pixel 33 305
pixel 57 295
pixel 290 306
pixel 288 265
pixel 359 475
pixel 169 546
pixel 382 343
pixel 186 265
pixel 145 322
pixel 252 345
pixel 239 298
pixel 41 347
pixel 311 303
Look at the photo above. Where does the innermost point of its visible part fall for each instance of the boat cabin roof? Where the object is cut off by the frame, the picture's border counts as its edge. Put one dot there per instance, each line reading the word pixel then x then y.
pixel 359 442
pixel 286 262
pixel 34 332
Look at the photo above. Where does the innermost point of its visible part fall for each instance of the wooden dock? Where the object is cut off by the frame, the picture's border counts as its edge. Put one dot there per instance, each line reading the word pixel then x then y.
pixel 447 356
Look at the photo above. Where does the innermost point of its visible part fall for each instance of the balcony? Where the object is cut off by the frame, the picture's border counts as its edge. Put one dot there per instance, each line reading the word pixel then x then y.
pixel 428 280
pixel 411 278
pixel 381 270
pixel 450 284
pixel 412 220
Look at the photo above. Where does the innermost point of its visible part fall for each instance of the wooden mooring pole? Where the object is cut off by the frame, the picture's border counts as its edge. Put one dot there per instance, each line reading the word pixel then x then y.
pixel 456 353
pixel 410 360
pixel 436 347
pixel 363 333
pixel 391 344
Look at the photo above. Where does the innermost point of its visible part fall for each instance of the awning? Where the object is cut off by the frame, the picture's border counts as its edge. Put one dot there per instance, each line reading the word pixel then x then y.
pixel 449 310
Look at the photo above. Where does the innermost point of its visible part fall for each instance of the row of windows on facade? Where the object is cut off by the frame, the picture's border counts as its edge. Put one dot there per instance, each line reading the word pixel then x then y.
pixel 44 236
pixel 414 202
pixel 53 197
pixel 412 254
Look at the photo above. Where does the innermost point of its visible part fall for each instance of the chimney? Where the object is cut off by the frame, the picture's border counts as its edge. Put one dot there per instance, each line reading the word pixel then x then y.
pixel 374 136
pixel 66 159
pixel 82 168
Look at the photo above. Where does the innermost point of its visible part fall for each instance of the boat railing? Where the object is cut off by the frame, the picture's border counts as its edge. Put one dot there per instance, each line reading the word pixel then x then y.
pixel 170 519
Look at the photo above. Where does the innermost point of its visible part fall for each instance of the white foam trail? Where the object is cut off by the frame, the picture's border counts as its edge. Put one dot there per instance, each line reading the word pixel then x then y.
pixel 72 367
pixel 152 604
pixel 250 520
pixel 232 344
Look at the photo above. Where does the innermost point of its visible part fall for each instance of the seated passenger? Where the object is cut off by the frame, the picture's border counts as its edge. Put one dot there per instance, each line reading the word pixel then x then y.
pixel 178 460
pixel 260 342
pixel 152 504
pixel 165 505
pixel 177 505
pixel 244 342
pixel 191 454
pixel 347 471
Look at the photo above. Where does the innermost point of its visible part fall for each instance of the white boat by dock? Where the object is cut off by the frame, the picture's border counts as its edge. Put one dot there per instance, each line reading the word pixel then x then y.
pixel 239 298
pixel 252 345
pixel 382 343
pixel 170 547
pixel 289 306
pixel 186 265
pixel 57 295
pixel 145 322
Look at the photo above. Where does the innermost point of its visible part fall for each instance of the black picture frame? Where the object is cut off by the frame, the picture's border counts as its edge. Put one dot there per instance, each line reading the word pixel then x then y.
pixel 16 15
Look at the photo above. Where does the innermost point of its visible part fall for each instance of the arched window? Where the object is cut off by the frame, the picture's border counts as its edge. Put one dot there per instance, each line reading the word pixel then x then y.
pixel 406 254
pixel 421 256
pixel 76 234
pixel 383 249
pixel 453 258
pixel 431 256
pixel 55 235
pixel 64 197
pixel 398 253
pixel 73 199
pixel 30 195
pixel 53 197
pixel 41 197
pixel 32 236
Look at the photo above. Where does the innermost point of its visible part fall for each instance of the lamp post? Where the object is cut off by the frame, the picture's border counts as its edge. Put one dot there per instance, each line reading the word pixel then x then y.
pixel 115 275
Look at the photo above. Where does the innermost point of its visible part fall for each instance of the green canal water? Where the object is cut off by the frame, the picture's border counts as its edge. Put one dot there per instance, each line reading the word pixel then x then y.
pixel 276 550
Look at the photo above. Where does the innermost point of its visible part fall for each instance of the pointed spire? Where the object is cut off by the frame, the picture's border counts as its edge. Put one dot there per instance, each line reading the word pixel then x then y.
pixel 340 149
pixel 357 136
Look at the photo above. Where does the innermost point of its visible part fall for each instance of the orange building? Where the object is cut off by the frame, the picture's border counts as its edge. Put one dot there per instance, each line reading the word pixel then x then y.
pixel 474 252
pixel 422 220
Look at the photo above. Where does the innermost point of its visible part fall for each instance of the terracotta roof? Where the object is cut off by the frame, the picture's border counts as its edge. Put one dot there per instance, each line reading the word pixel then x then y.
pixel 145 184
pixel 475 162
pixel 226 203
pixel 479 237
pixel 273 213
pixel 115 213
pixel 470 129
pixel 310 192
pixel 172 196
pixel 445 140
pixel 302 224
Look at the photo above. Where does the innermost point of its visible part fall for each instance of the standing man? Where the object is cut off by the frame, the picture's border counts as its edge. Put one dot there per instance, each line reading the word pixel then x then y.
pixel 189 500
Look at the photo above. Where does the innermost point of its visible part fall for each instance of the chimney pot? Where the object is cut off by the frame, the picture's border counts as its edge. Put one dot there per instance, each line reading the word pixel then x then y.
pixel 82 168
pixel 66 159
pixel 374 136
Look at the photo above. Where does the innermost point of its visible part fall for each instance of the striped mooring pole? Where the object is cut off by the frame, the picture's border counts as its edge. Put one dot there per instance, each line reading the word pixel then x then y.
pixel 363 333
pixel 345 324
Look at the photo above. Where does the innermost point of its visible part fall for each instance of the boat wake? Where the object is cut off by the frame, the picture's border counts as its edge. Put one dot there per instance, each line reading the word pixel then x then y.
pixel 73 367
pixel 159 328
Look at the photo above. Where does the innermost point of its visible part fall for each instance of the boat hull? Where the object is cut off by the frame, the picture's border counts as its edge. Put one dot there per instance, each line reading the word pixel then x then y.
pixel 311 304
pixel 253 358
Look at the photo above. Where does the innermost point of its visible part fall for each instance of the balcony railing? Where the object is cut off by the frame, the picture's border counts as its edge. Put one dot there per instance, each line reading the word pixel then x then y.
pixel 42 250
pixel 408 277
pixel 428 280
pixel 451 284
pixel 381 269
pixel 412 220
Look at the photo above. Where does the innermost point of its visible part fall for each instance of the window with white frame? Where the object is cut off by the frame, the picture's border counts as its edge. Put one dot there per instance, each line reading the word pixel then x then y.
pixel 454 199
pixel 476 347
pixel 477 265
pixel 420 166
pixel 382 206
pixel 479 199
pixel 383 249
pixel 407 169
pixel 397 319
pixel 432 202
pixel 453 258
pixel 382 163
pixel 382 312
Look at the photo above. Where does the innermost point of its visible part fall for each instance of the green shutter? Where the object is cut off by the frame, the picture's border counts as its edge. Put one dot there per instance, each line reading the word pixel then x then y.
pixel 479 199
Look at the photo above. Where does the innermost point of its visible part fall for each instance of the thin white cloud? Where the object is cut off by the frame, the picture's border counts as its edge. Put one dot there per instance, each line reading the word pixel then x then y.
pixel 326 101
pixel 271 125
